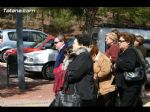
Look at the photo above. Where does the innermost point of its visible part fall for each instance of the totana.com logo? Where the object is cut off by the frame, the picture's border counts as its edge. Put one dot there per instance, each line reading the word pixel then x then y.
pixel 21 10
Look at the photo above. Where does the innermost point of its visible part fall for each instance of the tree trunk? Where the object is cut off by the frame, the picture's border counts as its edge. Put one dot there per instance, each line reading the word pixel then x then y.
pixel 50 17
pixel 42 18
pixel 90 18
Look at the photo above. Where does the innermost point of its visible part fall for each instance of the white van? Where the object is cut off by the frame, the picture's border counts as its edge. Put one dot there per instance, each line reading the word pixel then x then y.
pixel 98 34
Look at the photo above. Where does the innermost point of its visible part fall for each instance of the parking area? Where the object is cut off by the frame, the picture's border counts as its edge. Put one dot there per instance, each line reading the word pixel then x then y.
pixel 38 91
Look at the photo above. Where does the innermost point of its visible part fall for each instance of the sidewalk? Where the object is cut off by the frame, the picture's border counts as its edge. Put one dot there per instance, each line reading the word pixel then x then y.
pixel 147 104
pixel 38 93
pixel 25 103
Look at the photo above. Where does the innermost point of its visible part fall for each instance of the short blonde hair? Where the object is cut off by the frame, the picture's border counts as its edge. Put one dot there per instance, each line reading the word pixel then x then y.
pixel 112 36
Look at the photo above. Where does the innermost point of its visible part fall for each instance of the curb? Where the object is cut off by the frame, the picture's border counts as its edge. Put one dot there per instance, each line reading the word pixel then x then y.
pixel 25 103
pixel 147 105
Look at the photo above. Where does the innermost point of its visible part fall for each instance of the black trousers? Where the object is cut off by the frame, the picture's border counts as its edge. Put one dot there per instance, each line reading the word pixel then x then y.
pixel 88 103
pixel 107 100
pixel 130 96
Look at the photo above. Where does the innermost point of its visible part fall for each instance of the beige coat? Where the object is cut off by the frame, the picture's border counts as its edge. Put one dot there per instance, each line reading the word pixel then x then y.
pixel 103 68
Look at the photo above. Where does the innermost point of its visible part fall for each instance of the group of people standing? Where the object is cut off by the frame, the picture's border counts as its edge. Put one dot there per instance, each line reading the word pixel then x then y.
pixel 99 76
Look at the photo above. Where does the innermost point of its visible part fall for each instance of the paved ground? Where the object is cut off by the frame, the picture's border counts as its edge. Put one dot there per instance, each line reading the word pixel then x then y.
pixel 36 96
pixel 38 92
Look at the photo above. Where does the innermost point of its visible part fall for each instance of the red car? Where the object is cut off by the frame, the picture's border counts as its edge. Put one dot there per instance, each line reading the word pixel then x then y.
pixel 43 44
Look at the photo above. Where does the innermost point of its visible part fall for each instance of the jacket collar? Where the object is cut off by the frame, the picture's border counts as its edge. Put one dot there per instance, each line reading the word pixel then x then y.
pixel 81 50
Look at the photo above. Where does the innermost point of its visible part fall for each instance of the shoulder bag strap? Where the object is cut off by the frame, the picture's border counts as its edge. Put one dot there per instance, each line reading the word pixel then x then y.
pixel 75 88
pixel 66 85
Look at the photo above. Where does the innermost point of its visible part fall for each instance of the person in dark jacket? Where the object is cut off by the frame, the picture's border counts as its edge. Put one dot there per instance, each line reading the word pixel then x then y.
pixel 138 43
pixel 60 46
pixel 58 73
pixel 129 92
pixel 81 72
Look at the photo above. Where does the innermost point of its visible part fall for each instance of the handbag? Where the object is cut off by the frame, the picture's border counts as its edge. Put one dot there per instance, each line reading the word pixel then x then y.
pixel 64 99
pixel 137 75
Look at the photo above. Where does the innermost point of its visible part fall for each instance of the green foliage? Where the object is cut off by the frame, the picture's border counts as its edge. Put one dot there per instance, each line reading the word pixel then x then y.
pixel 62 20
pixel 142 16
pixel 137 16
pixel 102 11
pixel 77 11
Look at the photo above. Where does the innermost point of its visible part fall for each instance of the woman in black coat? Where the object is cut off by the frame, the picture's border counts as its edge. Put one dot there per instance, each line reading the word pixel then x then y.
pixel 127 61
pixel 81 72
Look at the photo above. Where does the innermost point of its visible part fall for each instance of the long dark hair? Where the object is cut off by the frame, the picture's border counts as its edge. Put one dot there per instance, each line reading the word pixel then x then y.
pixel 94 50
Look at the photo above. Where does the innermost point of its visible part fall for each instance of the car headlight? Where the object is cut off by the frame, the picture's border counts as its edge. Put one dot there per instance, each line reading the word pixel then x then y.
pixel 29 59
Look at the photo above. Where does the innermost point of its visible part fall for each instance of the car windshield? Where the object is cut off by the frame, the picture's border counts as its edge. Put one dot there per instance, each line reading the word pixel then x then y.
pixel 48 44
pixel 38 43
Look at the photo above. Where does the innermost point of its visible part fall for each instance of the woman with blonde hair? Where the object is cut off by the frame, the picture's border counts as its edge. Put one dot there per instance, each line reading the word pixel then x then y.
pixel 113 49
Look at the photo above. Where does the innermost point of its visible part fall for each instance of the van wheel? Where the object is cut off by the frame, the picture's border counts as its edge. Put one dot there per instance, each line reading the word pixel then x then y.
pixel 47 71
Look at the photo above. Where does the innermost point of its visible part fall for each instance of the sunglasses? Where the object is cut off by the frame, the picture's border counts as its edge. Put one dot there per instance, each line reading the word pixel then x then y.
pixel 56 42
pixel 121 41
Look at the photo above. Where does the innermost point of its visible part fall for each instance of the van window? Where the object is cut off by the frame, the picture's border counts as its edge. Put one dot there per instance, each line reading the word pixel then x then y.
pixel 26 36
pixel 12 36
pixel 94 36
pixel 36 36
pixel 1 37
pixel 49 44
pixel 147 46
pixel 148 53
